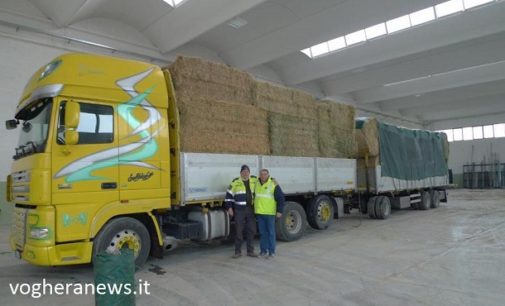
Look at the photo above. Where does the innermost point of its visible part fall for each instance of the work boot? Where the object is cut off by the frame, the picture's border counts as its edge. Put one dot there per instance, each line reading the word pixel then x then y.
pixel 236 255
pixel 252 254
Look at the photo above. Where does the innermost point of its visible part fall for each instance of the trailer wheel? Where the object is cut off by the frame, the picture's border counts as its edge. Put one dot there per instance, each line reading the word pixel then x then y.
pixel 382 207
pixel 292 224
pixel 320 212
pixel 371 207
pixel 121 233
pixel 425 201
pixel 435 198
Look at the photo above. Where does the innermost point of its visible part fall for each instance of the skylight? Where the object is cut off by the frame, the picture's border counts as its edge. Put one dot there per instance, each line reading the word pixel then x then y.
pixel 336 44
pixel 398 24
pixel 174 3
pixel 319 49
pixel 391 26
pixel 473 3
pixel 376 31
pixel 422 16
pixel 449 7
pixel 355 37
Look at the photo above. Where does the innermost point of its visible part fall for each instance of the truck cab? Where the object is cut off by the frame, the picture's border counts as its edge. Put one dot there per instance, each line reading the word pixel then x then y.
pixel 93 146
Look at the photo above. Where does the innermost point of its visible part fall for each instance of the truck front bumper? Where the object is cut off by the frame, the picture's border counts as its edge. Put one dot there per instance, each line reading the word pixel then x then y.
pixel 55 255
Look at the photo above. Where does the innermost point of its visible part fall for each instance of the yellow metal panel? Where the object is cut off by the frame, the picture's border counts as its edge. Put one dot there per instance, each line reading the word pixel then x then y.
pixel 62 254
pixel 131 207
pixel 94 76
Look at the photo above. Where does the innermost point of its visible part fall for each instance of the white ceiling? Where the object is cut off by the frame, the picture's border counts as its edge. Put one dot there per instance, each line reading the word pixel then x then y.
pixel 450 68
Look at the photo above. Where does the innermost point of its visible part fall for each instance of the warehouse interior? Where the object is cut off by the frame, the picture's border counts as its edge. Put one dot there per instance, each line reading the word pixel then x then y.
pixel 436 65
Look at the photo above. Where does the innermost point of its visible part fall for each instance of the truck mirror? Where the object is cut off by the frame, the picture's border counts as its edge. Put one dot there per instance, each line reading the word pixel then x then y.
pixel 11 124
pixel 72 112
pixel 71 137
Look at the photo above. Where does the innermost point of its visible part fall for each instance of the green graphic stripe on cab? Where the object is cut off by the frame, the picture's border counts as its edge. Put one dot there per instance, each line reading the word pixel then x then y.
pixel 131 154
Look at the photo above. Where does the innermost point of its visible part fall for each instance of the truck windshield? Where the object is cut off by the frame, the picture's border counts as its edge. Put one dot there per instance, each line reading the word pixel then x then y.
pixel 34 127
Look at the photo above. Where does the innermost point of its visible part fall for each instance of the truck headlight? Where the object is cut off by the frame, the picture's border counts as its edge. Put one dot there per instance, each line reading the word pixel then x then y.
pixel 39 232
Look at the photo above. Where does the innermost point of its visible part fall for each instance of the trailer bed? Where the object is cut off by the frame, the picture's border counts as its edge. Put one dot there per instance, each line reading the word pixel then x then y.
pixel 207 176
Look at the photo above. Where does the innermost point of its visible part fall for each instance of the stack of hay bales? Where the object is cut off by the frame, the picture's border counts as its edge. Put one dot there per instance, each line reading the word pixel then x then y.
pixel 292 119
pixel 367 143
pixel 195 78
pixel 224 110
pixel 216 109
pixel 367 137
pixel 336 129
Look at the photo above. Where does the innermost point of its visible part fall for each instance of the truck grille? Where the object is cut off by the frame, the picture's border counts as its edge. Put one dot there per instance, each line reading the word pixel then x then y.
pixel 19 226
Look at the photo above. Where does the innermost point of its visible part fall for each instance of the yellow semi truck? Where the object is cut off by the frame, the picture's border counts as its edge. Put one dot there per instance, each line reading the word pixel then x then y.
pixel 98 167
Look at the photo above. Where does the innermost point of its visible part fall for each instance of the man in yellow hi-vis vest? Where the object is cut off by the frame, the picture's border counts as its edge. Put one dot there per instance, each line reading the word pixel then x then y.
pixel 238 202
pixel 268 204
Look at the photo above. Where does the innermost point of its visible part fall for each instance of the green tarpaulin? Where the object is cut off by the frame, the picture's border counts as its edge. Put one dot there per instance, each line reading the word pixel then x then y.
pixel 411 154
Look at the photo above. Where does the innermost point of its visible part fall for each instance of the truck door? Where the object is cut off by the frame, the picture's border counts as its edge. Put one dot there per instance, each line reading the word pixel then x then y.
pixel 85 173
pixel 140 128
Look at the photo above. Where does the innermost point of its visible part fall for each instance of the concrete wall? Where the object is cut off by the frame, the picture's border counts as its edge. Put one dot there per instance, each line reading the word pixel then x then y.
pixel 474 151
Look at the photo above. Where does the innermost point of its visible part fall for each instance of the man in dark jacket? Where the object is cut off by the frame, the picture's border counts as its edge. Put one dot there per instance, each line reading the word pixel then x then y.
pixel 239 204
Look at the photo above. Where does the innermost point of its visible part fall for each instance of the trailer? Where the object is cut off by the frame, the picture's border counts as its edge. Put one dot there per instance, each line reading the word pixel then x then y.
pixel 408 169
pixel 103 160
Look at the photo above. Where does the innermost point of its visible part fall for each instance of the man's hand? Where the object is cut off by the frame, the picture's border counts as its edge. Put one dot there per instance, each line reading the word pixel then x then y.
pixel 278 215
pixel 230 212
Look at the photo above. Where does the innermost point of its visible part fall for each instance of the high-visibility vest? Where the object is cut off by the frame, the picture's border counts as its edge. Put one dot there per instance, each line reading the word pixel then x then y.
pixel 236 193
pixel 264 201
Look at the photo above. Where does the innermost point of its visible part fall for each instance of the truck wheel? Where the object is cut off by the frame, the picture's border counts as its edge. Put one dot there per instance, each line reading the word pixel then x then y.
pixel 435 198
pixel 320 212
pixel 121 233
pixel 425 201
pixel 291 225
pixel 382 207
pixel 371 207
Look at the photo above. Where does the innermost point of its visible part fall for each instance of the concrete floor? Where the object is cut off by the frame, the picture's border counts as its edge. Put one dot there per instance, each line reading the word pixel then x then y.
pixel 453 255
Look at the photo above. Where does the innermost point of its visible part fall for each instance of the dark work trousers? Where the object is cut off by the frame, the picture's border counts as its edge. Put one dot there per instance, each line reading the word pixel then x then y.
pixel 244 222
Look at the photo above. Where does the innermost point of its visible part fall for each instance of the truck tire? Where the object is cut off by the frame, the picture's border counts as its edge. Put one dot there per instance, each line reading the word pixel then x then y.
pixel 320 212
pixel 124 232
pixel 292 224
pixel 382 207
pixel 435 198
pixel 371 207
pixel 425 201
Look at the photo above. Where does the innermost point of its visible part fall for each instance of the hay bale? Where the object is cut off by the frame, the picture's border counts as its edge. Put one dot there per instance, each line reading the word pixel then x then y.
pixel 190 68
pixel 196 78
pixel 292 136
pixel 218 127
pixel 367 138
pixel 336 132
pixel 283 100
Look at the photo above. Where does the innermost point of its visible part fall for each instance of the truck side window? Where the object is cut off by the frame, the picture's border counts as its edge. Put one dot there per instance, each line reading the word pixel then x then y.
pixel 96 124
